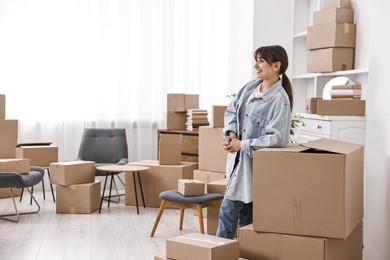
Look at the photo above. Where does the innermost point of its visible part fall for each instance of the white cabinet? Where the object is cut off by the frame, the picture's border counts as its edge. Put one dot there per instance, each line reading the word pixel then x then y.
pixel 345 128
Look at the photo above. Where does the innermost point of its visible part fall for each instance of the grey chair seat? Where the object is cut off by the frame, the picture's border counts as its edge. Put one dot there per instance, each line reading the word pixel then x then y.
pixel 175 196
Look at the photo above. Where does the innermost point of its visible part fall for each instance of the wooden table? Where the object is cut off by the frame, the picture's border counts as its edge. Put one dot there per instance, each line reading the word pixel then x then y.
pixel 115 169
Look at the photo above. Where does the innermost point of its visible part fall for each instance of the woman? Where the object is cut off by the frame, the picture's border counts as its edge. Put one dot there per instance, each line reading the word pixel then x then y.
pixel 258 117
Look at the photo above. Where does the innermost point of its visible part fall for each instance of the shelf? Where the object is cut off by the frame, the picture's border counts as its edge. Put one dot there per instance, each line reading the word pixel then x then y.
pixel 304 76
pixel 330 74
pixel 300 35
pixel 333 118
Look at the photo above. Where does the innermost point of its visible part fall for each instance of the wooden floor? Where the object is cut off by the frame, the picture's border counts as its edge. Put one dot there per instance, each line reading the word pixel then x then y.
pixel 116 233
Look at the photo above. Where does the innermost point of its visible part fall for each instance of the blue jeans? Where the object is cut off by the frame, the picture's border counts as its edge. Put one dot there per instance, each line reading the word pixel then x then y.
pixel 231 214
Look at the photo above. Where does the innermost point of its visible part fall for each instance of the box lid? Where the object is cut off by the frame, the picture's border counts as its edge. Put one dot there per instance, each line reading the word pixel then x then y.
pixel 331 145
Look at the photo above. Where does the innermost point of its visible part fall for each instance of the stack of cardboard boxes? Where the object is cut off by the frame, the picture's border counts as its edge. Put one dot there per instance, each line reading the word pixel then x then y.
pixel 77 191
pixel 332 38
pixel 177 106
pixel 308 203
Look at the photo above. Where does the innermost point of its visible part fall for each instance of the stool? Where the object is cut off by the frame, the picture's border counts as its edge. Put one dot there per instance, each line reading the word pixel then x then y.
pixel 172 198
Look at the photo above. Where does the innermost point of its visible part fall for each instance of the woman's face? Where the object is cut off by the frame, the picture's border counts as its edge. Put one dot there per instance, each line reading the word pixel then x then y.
pixel 265 70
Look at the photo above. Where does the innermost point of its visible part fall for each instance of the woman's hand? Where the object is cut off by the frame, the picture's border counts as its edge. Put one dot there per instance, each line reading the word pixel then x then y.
pixel 231 144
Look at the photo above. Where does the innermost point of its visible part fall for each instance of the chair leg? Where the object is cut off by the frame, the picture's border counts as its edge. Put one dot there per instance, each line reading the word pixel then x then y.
pixel 199 209
pixel 181 218
pixel 51 185
pixel 160 211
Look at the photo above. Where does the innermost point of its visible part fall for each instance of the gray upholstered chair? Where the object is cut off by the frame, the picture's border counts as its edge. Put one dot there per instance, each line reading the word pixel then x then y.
pixel 12 180
pixel 105 146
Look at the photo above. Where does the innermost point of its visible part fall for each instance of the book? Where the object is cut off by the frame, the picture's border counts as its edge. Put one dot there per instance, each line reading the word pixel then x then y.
pixel 345 92
pixel 347 87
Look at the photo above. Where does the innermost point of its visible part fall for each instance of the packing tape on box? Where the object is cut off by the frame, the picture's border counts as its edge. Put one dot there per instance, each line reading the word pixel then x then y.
pixel 72 210
pixel 346 27
pixel 204 239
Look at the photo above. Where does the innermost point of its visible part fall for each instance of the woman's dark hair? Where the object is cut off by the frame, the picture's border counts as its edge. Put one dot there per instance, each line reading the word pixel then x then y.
pixel 276 53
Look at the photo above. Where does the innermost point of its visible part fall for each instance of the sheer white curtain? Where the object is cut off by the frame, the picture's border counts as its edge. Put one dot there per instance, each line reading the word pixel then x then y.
pixel 70 64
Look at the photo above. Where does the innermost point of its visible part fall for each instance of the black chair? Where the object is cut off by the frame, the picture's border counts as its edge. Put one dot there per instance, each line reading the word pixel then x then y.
pixel 105 146
pixel 12 180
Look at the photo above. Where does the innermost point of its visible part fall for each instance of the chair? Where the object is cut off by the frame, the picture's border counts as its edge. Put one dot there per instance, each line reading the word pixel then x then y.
pixel 11 180
pixel 105 146
pixel 172 198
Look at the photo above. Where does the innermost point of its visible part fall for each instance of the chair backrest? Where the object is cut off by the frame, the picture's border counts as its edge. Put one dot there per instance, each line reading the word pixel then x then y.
pixel 103 145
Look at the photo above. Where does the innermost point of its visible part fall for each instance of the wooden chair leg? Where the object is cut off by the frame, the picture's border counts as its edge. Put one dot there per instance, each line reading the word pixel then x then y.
pixel 200 215
pixel 181 218
pixel 160 211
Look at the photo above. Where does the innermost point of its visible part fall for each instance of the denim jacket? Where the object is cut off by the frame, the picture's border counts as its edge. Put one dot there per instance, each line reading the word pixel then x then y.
pixel 266 124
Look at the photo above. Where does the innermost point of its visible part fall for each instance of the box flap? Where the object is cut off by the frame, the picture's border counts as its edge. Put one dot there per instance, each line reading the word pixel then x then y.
pixel 291 147
pixel 331 145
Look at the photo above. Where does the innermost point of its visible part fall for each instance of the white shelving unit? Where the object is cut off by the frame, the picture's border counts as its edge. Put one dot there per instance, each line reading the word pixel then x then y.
pixel 312 84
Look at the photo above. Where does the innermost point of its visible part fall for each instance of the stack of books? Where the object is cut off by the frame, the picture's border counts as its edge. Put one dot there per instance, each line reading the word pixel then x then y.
pixel 346 92
pixel 196 117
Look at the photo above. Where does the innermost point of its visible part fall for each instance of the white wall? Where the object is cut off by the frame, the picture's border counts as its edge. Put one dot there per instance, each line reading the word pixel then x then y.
pixel 377 150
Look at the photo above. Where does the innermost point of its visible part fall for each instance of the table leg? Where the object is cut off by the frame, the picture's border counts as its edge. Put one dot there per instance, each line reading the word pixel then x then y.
pixel 135 190
pixel 140 186
pixel 109 193
pixel 104 188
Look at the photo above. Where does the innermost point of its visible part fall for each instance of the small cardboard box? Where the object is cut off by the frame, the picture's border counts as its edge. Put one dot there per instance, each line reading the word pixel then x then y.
pixel 316 191
pixel 178 102
pixel 4 192
pixel 39 155
pixel 311 105
pixel 176 120
pixel 331 35
pixel 8 138
pixel 170 149
pixel 78 198
pixel 157 179
pixel 341 107
pixel 195 246
pixel 213 213
pixel 2 106
pixel 218 115
pixel 21 166
pixel 336 4
pixel 190 187
pixel 208 176
pixel 330 59
pixel 333 15
pixel 258 245
pixel 73 172
pixel 212 157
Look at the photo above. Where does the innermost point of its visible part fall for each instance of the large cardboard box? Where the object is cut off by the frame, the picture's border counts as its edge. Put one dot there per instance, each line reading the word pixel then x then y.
pixel 333 15
pixel 21 166
pixel 212 157
pixel 336 4
pixel 213 213
pixel 330 59
pixel 195 246
pixel 258 245
pixel 170 149
pixel 341 107
pixel 190 187
pixel 218 116
pixel 178 102
pixel 313 189
pixel 8 138
pixel 176 120
pixel 39 155
pixel 78 198
pixel 4 192
pixel 73 172
pixel 157 179
pixel 331 35
pixel 2 106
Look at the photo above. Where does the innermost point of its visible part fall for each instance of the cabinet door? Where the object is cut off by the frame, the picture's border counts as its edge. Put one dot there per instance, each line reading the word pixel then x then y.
pixel 305 137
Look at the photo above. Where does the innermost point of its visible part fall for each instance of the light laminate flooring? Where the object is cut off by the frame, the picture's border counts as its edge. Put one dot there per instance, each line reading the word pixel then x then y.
pixel 118 232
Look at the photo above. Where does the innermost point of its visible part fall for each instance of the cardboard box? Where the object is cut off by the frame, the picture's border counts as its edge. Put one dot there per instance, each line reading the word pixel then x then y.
pixel 78 198
pixel 213 213
pixel 195 246
pixel 208 176
pixel 218 116
pixel 331 35
pixel 170 149
pixel 190 187
pixel 8 138
pixel 336 4
pixel 341 107
pixel 157 179
pixel 311 105
pixel 178 102
pixel 39 155
pixel 4 192
pixel 330 59
pixel 257 245
pixel 73 172
pixel 333 15
pixel 212 157
pixel 21 166
pixel 316 191
pixel 176 120
pixel 2 106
